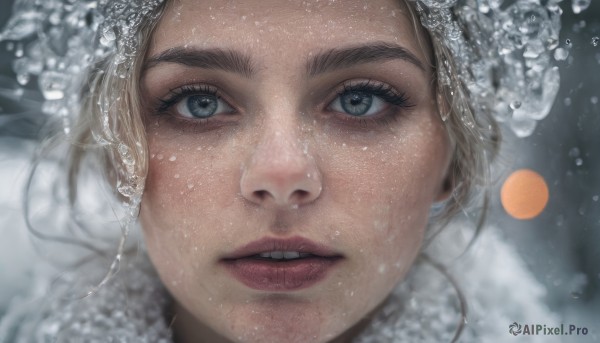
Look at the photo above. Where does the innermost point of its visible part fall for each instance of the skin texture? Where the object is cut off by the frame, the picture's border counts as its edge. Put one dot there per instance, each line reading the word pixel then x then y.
pixel 287 163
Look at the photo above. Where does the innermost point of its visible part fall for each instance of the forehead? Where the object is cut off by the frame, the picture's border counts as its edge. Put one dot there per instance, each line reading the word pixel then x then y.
pixel 286 27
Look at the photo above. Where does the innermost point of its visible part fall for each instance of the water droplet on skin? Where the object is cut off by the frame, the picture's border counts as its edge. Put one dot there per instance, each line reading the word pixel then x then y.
pixel 364 148
pixel 337 233
pixel 594 100
pixel 595 198
pixel 176 176
pixel 173 158
pixel 595 41
pixel 159 157
pixel 578 162
pixel 515 105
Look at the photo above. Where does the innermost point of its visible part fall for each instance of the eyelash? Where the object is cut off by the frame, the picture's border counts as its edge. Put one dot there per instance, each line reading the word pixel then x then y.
pixel 178 94
pixel 385 92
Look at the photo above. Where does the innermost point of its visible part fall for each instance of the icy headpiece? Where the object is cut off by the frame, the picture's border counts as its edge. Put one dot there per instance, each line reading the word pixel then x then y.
pixel 60 42
pixel 57 40
pixel 502 54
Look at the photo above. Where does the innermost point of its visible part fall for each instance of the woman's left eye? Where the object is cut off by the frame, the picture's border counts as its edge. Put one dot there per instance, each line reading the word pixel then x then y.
pixel 202 106
pixel 358 103
pixel 369 100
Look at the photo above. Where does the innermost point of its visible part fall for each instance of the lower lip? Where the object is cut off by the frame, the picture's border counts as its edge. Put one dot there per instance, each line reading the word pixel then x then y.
pixel 291 275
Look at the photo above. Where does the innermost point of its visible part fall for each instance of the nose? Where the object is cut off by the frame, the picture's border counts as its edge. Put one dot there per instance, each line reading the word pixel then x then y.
pixel 281 171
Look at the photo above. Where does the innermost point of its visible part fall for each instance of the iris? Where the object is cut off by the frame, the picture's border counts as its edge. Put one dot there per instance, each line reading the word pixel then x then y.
pixel 356 103
pixel 202 106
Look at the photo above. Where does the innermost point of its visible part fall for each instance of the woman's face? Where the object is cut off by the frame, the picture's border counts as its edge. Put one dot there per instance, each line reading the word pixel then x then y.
pixel 295 149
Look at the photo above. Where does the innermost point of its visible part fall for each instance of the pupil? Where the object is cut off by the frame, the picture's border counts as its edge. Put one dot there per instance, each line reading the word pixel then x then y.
pixel 356 103
pixel 356 100
pixel 202 106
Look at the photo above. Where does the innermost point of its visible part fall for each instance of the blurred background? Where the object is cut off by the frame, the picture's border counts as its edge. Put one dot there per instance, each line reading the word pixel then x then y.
pixel 561 246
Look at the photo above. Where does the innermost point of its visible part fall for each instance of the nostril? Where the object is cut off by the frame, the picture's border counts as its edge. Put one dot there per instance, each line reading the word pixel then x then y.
pixel 297 197
pixel 300 194
pixel 261 195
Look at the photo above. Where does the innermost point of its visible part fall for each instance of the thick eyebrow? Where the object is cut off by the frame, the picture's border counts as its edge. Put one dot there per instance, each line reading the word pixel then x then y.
pixel 227 60
pixel 343 58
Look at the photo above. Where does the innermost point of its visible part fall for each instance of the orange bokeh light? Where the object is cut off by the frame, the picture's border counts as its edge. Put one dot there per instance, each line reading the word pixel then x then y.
pixel 524 194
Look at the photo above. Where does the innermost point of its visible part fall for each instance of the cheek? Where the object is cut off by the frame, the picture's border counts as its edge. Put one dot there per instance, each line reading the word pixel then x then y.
pixel 183 203
pixel 385 191
pixel 188 175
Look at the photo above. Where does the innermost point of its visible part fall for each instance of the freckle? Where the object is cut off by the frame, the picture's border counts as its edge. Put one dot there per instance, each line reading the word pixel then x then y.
pixel 172 158
pixel 159 157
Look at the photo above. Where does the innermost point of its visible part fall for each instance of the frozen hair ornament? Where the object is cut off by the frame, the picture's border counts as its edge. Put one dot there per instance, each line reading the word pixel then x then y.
pixel 502 54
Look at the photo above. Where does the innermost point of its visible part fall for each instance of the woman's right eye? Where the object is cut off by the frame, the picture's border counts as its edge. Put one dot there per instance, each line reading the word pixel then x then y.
pixel 195 102
pixel 202 106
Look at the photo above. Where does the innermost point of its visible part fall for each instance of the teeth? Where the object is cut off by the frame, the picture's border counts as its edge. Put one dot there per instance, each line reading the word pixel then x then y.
pixel 281 255
pixel 290 254
pixel 277 254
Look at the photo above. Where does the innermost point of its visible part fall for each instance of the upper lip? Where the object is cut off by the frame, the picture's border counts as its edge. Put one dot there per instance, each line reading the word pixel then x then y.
pixel 267 244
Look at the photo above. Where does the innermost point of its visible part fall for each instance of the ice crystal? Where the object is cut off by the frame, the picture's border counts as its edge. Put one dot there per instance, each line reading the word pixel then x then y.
pixel 502 54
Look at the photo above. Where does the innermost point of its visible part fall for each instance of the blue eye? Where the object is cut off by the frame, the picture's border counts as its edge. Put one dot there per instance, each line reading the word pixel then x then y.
pixel 202 106
pixel 368 99
pixel 358 103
